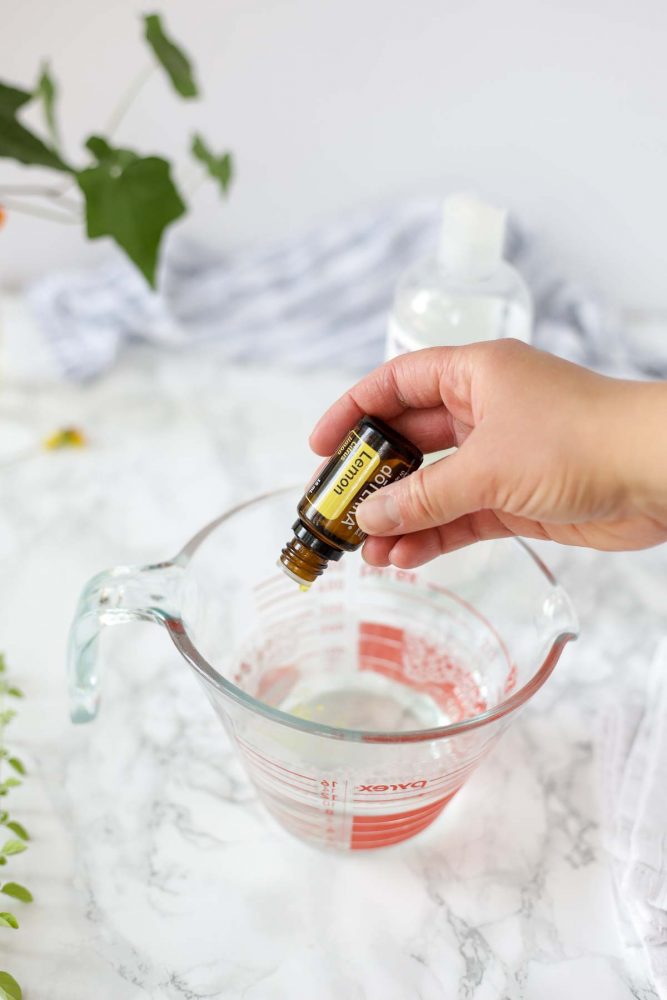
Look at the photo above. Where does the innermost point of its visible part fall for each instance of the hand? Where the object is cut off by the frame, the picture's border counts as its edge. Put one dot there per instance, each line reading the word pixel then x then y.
pixel 545 449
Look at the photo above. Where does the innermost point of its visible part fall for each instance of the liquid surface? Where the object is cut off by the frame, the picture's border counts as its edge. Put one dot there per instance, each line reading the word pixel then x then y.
pixel 363 700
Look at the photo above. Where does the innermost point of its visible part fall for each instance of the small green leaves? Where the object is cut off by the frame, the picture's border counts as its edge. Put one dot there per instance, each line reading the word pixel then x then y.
pixel 172 58
pixel 13 847
pixel 111 155
pixel 11 99
pixel 17 891
pixel 220 168
pixel 8 920
pixel 16 828
pixel 17 764
pixel 3 662
pixel 15 692
pixel 132 199
pixel 9 988
pixel 7 716
pixel 46 93
pixel 16 141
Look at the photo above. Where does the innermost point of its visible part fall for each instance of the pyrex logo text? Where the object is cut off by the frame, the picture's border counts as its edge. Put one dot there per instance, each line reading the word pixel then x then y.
pixel 392 788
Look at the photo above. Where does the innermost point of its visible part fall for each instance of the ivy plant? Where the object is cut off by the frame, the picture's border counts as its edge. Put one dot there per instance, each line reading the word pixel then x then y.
pixel 120 193
pixel 15 839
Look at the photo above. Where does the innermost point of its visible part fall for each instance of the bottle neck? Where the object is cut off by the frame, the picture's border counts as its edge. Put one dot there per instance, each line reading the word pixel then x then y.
pixel 305 556
pixel 467 263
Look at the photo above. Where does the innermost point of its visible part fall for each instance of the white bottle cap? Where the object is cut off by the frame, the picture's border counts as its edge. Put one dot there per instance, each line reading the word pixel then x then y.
pixel 472 236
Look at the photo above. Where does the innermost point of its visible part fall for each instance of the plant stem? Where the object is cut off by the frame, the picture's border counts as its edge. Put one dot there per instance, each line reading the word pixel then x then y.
pixel 128 98
pixel 39 190
pixel 41 213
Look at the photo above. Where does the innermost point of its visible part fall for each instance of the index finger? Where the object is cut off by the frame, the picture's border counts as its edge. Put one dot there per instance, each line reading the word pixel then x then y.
pixel 408 382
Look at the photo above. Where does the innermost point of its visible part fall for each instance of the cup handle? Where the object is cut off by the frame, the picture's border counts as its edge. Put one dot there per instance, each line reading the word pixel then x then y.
pixel 123 594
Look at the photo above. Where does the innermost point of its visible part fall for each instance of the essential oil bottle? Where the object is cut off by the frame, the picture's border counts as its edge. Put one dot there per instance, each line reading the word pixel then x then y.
pixel 370 457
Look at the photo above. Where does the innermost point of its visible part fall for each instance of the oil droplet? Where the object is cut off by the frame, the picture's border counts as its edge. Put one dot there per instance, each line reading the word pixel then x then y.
pixel 303 587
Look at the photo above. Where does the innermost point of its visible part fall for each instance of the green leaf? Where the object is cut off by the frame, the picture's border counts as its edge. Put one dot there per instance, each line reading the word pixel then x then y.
pixel 3 861
pixel 46 93
pixel 220 168
pixel 11 99
pixel 172 58
pixel 13 847
pixel 10 988
pixel 132 199
pixel 17 764
pixel 104 153
pixel 16 141
pixel 9 713
pixel 16 828
pixel 17 891
pixel 15 692
pixel 8 920
pixel 9 783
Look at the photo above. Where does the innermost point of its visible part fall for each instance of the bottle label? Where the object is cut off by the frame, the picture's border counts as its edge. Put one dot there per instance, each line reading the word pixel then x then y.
pixel 359 466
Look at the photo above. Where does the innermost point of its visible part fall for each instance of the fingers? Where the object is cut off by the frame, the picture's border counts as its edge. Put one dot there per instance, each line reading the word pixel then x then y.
pixel 410 551
pixel 409 382
pixel 414 550
pixel 434 495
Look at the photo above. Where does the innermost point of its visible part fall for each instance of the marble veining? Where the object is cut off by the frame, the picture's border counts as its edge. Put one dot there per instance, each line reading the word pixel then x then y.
pixel 155 870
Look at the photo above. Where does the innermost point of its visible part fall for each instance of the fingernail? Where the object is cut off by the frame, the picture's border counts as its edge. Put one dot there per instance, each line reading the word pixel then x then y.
pixel 378 514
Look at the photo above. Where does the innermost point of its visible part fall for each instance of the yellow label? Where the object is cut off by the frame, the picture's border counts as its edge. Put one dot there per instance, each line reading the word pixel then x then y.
pixel 356 470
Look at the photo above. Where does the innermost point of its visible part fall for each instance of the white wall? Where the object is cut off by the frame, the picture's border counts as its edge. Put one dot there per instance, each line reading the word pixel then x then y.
pixel 555 107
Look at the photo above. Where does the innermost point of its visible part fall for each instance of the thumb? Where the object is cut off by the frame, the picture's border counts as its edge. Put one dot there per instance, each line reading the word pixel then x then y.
pixel 433 495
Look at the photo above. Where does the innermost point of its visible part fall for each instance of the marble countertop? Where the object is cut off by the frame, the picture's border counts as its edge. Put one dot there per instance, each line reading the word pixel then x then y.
pixel 155 871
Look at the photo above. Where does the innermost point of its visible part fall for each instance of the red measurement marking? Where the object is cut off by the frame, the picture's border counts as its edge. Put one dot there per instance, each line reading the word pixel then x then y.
pixel 381 831
pixel 268 760
pixel 421 665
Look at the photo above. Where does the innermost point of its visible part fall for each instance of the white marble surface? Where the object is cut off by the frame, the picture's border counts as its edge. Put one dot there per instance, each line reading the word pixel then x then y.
pixel 155 871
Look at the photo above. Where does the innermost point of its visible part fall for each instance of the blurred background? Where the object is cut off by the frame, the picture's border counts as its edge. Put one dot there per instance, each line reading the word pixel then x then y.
pixel 553 110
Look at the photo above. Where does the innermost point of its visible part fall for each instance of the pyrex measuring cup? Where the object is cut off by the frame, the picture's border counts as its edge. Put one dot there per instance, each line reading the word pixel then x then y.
pixel 360 708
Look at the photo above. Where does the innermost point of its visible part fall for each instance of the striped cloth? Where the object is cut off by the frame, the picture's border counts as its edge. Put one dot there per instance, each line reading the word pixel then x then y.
pixel 312 302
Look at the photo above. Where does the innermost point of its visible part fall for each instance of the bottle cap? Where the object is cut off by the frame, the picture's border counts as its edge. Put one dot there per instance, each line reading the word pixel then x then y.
pixel 472 236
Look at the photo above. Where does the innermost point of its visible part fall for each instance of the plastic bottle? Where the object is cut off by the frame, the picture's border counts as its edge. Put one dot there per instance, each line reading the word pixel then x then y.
pixel 467 291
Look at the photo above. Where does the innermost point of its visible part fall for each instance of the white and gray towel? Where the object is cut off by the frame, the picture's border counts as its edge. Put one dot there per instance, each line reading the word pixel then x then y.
pixel 311 302
pixel 633 762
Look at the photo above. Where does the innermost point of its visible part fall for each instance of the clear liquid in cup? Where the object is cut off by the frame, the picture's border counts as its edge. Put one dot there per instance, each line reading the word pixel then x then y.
pixel 383 678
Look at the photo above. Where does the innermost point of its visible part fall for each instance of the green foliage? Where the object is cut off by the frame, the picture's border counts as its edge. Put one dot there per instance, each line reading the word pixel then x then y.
pixel 17 892
pixel 16 828
pixel 220 168
pixel 46 93
pixel 9 988
pixel 132 199
pixel 172 58
pixel 127 196
pixel 16 141
pixel 13 847
pixel 7 784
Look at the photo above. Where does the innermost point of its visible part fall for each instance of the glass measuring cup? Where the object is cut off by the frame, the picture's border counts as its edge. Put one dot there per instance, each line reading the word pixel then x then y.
pixel 360 708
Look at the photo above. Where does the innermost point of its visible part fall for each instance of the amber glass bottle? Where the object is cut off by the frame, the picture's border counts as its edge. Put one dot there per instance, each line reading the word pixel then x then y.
pixel 371 456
